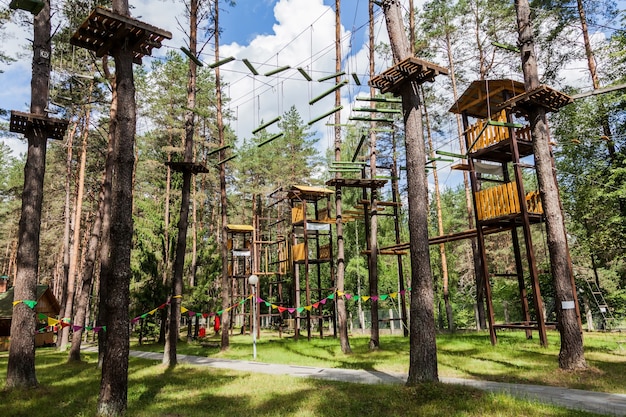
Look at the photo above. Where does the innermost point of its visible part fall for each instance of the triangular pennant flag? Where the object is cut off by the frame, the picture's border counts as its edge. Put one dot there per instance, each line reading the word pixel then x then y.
pixel 374 298
pixel 64 325
pixel 177 296
pixel 205 315
pixel 76 328
pixel 52 322
pixel 402 292
pixel 393 295
pixel 268 304
pixel 281 309
pixel 384 297
pixel 144 315
pixel 316 305
pixel 340 293
pixel 308 308
pixel 356 297
pixel 291 310
pixel 16 302
pixel 199 314
pixel 300 309
pixel 259 300
pixel 89 328
pixel 219 313
pixel 162 306
pixel 98 328
pixel 330 297
pixel 151 312
pixel 348 296
pixel 183 309
pixel 323 301
pixel 135 320
pixel 41 316
pixel 365 297
pixel 191 313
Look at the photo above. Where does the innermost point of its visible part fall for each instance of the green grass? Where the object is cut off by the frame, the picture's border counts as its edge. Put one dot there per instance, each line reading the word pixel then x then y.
pixel 465 355
pixel 72 389
pixel 154 391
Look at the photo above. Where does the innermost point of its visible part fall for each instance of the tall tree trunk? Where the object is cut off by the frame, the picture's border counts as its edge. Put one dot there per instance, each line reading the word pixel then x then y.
pixel 374 342
pixel 225 322
pixel 78 209
pixel 342 315
pixel 423 347
pixel 21 365
pixel 82 305
pixel 442 246
pixel 173 330
pixel 571 355
pixel 105 245
pixel 112 400
pixel 60 290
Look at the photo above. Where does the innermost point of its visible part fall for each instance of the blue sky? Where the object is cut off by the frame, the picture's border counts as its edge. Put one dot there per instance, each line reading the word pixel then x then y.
pixel 268 33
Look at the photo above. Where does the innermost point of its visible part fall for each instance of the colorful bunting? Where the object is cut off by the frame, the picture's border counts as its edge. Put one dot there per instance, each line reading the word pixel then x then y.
pixel 30 303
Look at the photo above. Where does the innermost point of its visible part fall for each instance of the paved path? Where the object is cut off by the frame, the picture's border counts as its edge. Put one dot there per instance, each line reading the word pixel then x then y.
pixel 596 402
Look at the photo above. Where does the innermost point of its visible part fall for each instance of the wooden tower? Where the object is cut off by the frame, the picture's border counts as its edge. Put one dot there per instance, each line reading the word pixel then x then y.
pixel 499 146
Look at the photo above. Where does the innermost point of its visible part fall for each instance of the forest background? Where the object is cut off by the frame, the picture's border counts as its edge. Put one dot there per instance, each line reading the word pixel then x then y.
pixel 590 163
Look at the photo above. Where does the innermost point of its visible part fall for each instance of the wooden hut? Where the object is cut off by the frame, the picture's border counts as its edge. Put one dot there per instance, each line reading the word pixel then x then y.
pixel 47 305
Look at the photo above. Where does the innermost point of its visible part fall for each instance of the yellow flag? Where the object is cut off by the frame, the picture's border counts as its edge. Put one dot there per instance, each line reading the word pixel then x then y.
pixel 183 309
pixel 365 297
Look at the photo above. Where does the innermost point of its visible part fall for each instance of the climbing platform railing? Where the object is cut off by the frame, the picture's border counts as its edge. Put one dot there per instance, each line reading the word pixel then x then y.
pixel 503 200
pixel 483 135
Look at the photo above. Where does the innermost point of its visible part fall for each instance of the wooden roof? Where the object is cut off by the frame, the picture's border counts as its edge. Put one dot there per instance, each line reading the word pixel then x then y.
pixel 306 192
pixel 46 302
pixel 484 97
pixel 22 122
pixel 409 69
pixel 547 97
pixel 103 31
pixel 239 228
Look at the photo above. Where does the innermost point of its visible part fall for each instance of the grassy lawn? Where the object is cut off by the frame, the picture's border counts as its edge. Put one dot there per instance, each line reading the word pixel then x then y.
pixel 463 355
pixel 72 389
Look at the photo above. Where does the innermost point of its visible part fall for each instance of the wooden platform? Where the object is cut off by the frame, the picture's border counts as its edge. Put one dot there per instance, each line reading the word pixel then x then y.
pixel 544 96
pixel 193 167
pixel 356 182
pixel 104 31
pixel 23 122
pixel 410 69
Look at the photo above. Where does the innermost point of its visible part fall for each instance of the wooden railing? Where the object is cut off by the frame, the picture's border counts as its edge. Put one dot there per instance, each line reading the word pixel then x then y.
pixel 482 135
pixel 502 200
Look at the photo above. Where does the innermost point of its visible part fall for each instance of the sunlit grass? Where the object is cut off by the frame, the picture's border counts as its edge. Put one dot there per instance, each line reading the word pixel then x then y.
pixel 465 355
pixel 155 391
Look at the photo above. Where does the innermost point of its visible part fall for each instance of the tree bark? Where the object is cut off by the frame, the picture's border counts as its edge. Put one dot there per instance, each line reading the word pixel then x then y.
pixel 173 330
pixel 78 209
pixel 21 364
pixel 112 400
pixel 80 318
pixel 571 355
pixel 225 322
pixel 423 347
pixel 342 316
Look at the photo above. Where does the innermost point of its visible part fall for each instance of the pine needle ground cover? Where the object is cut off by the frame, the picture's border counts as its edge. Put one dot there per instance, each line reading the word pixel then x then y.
pixel 72 389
